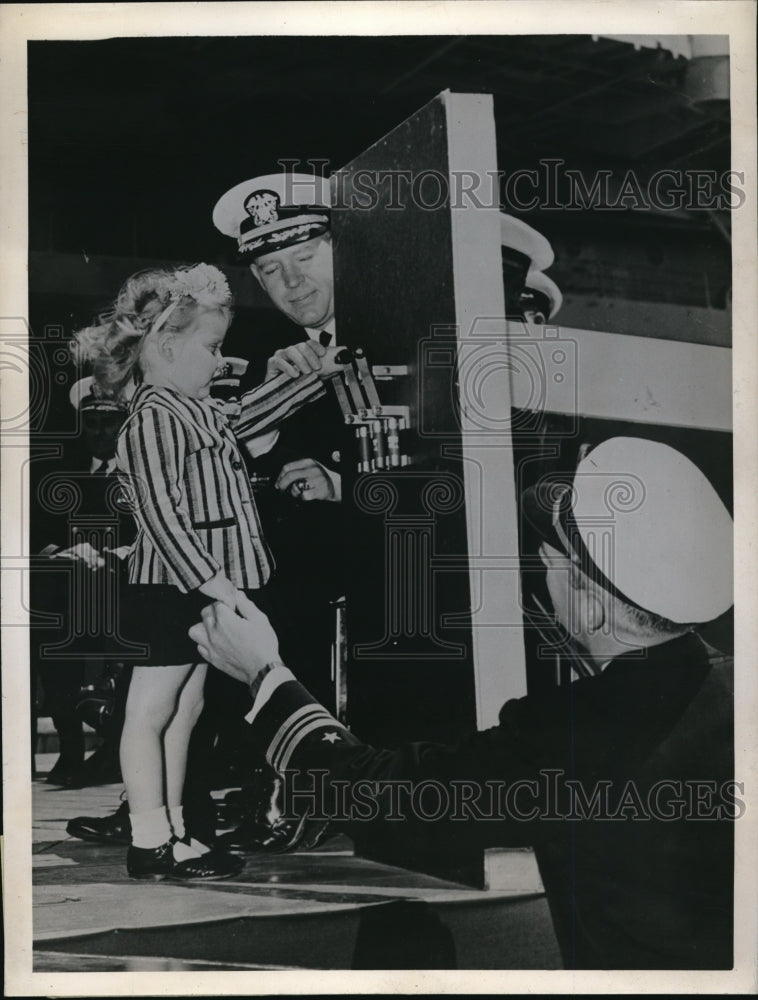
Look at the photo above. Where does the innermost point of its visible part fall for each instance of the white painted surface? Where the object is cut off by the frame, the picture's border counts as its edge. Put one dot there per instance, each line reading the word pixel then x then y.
pixel 484 386
pixel 620 377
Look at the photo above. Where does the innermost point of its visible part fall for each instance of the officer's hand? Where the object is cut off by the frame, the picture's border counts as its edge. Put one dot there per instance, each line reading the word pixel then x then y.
pixel 305 479
pixel 299 359
pixel 328 365
pixel 240 644
pixel 82 552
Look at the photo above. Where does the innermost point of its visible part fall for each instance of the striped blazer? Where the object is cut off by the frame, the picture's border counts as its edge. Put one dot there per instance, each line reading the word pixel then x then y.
pixel 187 485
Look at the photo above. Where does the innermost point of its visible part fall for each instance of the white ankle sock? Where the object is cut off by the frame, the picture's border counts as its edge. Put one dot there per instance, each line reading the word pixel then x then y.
pixel 198 846
pixel 183 852
pixel 150 828
pixel 176 819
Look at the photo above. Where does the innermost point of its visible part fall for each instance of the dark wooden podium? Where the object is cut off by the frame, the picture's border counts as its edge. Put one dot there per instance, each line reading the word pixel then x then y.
pixel 434 629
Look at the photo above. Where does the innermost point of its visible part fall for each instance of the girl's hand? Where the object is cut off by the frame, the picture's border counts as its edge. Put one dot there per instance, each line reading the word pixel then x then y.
pixel 220 588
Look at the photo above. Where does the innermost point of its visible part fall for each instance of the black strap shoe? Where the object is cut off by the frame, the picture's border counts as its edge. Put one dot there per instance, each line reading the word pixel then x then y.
pixel 214 864
pixel 113 829
pixel 151 863
pixel 158 863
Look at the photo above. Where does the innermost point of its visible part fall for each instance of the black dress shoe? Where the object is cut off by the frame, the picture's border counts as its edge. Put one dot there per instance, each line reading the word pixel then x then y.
pixel 249 837
pixel 101 768
pixel 113 829
pixel 64 773
pixel 263 828
pixel 158 863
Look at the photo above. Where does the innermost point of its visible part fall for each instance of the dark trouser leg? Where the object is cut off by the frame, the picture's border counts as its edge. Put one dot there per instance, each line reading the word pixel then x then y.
pixel 61 683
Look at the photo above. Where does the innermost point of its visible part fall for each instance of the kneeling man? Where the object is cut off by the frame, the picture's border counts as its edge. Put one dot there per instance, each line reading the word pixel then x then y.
pixel 622 780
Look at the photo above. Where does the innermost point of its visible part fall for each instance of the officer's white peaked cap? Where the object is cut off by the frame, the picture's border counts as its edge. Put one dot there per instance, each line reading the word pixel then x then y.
pixel 273 211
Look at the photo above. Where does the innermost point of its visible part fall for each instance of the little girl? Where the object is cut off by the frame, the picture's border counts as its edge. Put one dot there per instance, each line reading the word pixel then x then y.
pixel 199 536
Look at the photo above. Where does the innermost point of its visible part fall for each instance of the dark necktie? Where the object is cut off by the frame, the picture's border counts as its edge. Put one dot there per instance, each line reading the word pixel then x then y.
pixel 325 338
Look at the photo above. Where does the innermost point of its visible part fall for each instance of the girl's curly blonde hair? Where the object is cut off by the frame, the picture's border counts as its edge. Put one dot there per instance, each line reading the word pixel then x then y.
pixel 153 300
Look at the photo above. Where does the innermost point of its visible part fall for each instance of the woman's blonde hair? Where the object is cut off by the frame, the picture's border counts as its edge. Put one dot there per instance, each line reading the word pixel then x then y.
pixel 158 299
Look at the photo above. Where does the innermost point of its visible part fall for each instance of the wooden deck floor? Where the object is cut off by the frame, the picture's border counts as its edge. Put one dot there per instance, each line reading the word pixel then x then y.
pixel 325 909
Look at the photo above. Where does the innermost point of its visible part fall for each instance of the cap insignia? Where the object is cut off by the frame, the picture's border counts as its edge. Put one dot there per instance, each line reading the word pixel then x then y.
pixel 263 207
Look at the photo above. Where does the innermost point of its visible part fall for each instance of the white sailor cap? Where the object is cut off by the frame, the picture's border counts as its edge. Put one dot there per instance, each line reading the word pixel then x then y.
pixel 517 238
pixel 541 295
pixel 645 524
pixel 273 211
pixel 82 397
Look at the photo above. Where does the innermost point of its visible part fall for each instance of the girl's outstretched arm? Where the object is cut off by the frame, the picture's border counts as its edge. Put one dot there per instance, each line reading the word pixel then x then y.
pixel 263 408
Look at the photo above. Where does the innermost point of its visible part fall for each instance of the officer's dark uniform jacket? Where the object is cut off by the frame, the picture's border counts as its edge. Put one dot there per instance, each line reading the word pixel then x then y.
pixel 636 891
pixel 304 537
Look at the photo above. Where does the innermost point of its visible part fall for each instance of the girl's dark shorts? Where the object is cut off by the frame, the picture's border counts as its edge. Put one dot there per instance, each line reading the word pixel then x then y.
pixel 157 617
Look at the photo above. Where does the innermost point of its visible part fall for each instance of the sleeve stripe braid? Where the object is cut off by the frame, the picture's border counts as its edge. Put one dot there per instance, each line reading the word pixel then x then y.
pixel 294 729
pixel 297 738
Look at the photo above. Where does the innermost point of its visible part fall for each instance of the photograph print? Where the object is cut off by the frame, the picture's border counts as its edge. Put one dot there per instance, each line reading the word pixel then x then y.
pixel 379 530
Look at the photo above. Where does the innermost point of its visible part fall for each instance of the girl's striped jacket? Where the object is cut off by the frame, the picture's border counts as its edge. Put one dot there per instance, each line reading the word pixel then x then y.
pixel 187 484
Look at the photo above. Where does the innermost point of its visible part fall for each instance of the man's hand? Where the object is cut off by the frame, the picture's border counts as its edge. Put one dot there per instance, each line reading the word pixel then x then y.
pixel 82 552
pixel 305 479
pixel 329 364
pixel 299 359
pixel 239 644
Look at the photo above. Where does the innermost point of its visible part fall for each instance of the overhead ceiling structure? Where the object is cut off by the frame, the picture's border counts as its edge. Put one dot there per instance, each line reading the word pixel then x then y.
pixel 132 140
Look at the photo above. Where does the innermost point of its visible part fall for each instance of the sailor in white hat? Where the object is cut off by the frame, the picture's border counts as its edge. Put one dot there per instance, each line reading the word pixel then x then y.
pixel 101 420
pixel 541 298
pixel 638 549
pixel 522 249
